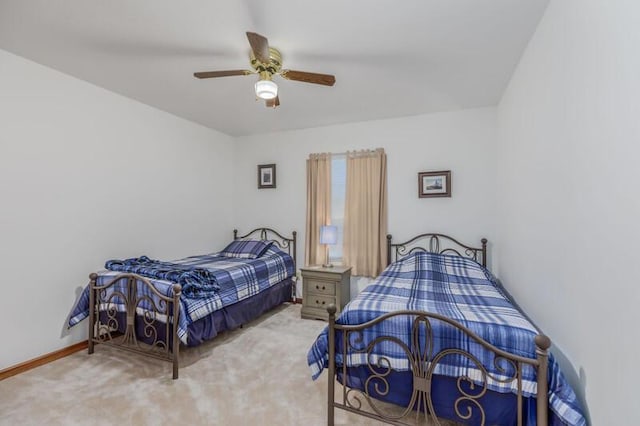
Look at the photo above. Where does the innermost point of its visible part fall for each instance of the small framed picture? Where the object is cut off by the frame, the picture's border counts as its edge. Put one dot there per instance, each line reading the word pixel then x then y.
pixel 434 184
pixel 266 176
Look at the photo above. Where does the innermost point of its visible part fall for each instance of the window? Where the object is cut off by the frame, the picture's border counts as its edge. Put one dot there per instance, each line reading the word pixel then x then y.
pixel 338 194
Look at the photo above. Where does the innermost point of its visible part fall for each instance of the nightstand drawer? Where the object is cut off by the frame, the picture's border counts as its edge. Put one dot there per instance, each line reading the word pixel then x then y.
pixel 318 301
pixel 320 287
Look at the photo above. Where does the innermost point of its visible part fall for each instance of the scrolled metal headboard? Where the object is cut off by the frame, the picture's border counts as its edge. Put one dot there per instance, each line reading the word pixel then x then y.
pixel 436 243
pixel 267 234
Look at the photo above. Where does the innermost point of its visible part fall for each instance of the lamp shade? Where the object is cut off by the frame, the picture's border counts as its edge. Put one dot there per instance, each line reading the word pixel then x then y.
pixel 266 89
pixel 328 234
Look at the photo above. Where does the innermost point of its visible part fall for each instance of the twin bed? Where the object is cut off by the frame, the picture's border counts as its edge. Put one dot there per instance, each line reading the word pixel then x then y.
pixel 134 303
pixel 437 335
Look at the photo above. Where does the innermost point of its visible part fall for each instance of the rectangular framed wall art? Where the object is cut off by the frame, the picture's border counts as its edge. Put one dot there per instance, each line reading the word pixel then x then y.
pixel 266 176
pixel 434 184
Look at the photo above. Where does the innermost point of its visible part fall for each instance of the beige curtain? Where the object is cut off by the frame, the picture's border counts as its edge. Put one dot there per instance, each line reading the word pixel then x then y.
pixel 365 216
pixel 318 206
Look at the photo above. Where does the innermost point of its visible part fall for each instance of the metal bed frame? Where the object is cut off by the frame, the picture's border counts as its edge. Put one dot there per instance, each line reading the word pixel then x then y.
pixel 105 320
pixel 423 361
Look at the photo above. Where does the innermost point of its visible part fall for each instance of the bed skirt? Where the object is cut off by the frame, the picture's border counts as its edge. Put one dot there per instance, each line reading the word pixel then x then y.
pixel 228 318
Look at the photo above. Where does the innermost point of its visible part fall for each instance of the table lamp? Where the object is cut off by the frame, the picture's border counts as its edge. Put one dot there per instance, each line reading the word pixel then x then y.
pixel 328 236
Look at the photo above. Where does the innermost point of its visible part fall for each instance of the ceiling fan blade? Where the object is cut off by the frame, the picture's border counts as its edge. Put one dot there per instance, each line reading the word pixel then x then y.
pixel 272 103
pixel 309 77
pixel 213 74
pixel 260 46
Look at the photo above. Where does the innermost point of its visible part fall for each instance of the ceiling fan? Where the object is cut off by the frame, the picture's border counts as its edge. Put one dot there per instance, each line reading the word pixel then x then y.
pixel 267 62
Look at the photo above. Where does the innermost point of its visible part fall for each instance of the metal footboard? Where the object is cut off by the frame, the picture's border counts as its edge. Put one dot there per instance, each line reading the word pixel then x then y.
pixel 129 313
pixel 422 362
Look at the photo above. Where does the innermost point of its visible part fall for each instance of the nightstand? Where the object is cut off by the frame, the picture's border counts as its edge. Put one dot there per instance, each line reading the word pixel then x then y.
pixel 323 286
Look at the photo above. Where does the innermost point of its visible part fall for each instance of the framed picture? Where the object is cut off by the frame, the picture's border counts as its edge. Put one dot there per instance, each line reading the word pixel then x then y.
pixel 266 176
pixel 434 184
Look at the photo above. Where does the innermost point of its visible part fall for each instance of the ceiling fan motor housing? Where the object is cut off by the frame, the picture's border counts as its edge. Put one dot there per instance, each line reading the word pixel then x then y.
pixel 273 67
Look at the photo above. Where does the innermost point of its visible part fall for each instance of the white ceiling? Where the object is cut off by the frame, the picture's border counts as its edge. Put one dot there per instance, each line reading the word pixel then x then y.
pixel 390 58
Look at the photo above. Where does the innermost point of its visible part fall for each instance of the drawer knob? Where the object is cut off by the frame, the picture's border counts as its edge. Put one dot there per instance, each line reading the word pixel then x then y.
pixel 318 287
pixel 318 302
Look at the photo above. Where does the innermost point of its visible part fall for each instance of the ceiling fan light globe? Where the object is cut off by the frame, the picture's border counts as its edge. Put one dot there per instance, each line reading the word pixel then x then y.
pixel 266 89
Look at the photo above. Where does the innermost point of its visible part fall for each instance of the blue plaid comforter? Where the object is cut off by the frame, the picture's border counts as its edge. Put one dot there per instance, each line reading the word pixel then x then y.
pixel 235 279
pixel 462 290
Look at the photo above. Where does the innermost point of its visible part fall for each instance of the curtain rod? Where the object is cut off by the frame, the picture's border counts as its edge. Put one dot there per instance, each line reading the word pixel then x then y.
pixel 360 151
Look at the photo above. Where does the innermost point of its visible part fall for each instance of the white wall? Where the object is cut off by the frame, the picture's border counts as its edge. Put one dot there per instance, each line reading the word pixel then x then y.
pixel 87 175
pixel 569 208
pixel 463 142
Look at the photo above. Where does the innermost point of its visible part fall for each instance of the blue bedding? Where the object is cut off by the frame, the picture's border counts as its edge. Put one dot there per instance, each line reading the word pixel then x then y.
pixel 229 280
pixel 462 290
pixel 195 282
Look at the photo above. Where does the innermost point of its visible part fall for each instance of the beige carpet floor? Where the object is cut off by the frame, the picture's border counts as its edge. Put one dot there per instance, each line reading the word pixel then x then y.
pixel 256 375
